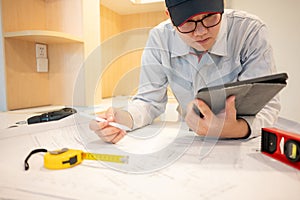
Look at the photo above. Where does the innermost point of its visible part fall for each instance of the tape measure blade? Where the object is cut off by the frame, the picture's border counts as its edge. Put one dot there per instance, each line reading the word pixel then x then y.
pixel 106 157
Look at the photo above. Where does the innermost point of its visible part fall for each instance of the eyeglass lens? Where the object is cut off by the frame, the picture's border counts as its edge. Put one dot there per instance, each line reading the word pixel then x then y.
pixel 208 21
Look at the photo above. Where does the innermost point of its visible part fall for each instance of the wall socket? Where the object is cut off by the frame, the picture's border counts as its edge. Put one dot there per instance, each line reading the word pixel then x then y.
pixel 41 58
pixel 41 50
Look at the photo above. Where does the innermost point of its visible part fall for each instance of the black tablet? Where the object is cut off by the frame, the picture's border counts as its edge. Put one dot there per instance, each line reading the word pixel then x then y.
pixel 251 95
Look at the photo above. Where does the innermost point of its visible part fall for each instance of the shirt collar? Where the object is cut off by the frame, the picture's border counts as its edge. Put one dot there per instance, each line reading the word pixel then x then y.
pixel 180 48
pixel 220 46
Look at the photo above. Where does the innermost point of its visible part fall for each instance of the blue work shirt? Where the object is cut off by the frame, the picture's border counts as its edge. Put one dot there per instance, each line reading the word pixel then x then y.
pixel 242 51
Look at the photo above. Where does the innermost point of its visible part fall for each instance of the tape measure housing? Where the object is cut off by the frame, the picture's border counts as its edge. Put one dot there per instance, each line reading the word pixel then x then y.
pixel 65 159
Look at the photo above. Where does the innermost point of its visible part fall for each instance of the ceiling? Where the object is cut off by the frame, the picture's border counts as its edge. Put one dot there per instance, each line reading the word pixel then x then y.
pixel 125 7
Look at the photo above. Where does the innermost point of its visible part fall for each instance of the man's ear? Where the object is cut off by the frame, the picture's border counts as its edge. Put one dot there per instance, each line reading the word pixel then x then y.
pixel 167 12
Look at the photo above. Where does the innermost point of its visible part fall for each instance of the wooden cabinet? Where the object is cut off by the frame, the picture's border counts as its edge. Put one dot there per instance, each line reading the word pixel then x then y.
pixel 61 24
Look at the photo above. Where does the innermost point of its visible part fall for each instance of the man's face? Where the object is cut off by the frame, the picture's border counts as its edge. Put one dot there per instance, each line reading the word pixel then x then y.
pixel 202 38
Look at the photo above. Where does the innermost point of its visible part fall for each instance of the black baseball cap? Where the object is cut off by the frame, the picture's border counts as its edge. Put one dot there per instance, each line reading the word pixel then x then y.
pixel 182 10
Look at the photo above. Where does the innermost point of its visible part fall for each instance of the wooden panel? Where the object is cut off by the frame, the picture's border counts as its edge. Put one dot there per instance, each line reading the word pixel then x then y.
pixel 64 16
pixel 55 15
pixel 25 87
pixel 111 24
pixel 65 62
pixel 115 79
pixel 23 15
pixel 141 20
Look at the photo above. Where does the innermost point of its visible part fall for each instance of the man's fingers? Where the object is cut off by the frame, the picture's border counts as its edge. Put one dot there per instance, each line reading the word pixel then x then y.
pixel 118 137
pixel 108 134
pixel 96 126
pixel 230 107
pixel 203 108
pixel 103 129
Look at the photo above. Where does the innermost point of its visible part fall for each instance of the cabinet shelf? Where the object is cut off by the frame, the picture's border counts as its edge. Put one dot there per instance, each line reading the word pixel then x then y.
pixel 41 36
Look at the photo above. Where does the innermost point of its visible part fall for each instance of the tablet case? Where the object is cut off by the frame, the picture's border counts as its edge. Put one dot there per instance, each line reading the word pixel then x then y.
pixel 251 95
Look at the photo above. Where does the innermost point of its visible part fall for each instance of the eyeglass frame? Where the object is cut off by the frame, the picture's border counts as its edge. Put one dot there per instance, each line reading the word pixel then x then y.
pixel 201 20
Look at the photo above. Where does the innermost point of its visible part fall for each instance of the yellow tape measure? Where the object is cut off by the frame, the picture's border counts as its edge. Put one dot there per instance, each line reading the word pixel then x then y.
pixel 66 158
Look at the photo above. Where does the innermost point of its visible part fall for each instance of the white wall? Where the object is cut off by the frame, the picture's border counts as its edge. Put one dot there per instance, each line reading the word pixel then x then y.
pixel 281 16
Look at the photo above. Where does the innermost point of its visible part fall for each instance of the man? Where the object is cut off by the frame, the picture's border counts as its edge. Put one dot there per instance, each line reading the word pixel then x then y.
pixel 200 45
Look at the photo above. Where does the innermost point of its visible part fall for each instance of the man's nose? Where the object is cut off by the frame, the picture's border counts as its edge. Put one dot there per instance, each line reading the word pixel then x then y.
pixel 200 29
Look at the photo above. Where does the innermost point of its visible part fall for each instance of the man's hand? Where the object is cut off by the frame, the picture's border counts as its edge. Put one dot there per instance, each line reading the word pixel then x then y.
pixel 223 125
pixel 109 133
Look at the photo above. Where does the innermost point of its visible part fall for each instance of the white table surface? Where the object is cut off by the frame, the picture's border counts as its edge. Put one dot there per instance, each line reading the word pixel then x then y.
pixel 165 162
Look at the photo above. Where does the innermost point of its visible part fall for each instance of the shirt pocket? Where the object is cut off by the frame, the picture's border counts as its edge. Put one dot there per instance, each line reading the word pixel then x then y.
pixel 180 82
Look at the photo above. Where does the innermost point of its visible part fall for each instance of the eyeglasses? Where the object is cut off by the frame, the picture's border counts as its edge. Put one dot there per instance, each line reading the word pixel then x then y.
pixel 208 21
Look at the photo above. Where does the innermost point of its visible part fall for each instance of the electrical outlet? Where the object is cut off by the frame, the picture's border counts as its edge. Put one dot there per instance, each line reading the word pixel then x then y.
pixel 42 65
pixel 41 50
